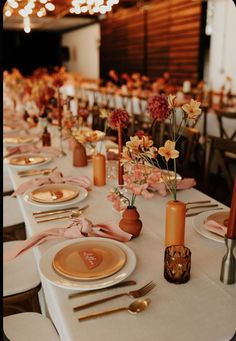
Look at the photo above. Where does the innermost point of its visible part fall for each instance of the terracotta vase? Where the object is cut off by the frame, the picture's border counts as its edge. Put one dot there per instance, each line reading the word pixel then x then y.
pixel 79 155
pixel 130 221
pixel 175 223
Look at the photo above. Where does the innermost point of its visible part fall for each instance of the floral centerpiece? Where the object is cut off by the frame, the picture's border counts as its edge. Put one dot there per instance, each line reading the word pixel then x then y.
pixel 142 160
pixel 163 108
pixel 138 178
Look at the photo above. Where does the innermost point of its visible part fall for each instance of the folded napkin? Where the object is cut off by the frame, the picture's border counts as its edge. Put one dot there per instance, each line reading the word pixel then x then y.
pixel 52 151
pixel 215 227
pixel 80 227
pixel 54 178
pixel 162 189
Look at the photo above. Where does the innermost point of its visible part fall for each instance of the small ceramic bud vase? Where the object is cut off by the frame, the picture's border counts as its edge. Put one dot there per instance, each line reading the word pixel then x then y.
pixel 130 221
pixel 79 155
pixel 175 223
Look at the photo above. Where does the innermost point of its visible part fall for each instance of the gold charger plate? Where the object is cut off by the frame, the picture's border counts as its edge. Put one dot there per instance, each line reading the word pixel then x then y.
pixel 89 260
pixel 54 193
pixel 24 160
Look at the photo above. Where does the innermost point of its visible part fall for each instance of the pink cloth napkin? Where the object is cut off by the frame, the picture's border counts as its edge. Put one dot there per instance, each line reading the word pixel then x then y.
pixel 52 151
pixel 80 227
pixel 181 184
pixel 54 178
pixel 215 227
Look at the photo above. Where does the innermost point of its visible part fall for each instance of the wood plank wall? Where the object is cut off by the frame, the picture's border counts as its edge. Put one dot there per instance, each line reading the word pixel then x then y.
pixel 163 36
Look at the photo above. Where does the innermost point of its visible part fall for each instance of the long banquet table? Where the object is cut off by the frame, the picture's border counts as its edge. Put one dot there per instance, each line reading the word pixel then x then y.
pixel 202 309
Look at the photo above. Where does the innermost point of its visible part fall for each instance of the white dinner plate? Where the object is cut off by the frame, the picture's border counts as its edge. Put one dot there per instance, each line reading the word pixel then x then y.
pixel 48 272
pixel 197 223
pixel 47 158
pixel 81 196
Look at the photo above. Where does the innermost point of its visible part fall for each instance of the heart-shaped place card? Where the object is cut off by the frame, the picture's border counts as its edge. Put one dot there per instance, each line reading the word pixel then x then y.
pixel 91 259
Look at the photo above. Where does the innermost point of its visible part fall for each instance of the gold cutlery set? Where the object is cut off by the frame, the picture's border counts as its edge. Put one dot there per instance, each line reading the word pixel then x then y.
pixel 33 172
pixel 135 307
pixel 193 206
pixel 51 215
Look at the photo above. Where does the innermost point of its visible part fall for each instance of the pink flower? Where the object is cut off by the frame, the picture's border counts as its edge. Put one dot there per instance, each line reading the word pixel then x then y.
pixel 154 177
pixel 118 117
pixel 158 107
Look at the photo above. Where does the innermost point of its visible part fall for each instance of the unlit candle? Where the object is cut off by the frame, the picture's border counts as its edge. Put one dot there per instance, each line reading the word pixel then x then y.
pixel 231 229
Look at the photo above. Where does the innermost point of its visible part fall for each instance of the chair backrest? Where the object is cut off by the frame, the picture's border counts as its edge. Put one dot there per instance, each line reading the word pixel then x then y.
pixel 226 114
pixel 224 151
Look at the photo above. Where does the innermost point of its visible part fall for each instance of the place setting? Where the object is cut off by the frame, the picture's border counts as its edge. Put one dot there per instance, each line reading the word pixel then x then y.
pixel 28 160
pixel 211 225
pixel 55 195
pixel 88 264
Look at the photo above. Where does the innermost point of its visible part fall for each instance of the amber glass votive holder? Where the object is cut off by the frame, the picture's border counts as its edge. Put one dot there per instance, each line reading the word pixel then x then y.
pixel 177 264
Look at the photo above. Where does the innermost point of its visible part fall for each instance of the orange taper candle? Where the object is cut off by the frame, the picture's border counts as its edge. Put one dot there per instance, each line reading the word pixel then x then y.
pixel 231 229
pixel 120 167
pixel 175 223
pixel 99 170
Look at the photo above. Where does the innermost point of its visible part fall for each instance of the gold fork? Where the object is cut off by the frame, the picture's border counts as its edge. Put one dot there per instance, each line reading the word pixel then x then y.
pixel 134 293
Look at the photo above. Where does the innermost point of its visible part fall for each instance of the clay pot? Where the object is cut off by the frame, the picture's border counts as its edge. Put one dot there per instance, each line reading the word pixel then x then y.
pixel 79 155
pixel 175 223
pixel 130 221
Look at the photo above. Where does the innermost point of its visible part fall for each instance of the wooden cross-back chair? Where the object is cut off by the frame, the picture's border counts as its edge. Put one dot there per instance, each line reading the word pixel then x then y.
pixel 223 151
pixel 226 114
pixel 186 144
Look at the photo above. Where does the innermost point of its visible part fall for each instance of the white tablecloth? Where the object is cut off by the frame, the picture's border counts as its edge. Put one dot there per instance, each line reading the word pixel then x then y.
pixel 204 309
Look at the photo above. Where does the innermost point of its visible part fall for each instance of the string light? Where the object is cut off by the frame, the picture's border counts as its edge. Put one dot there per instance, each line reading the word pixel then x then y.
pixel 40 8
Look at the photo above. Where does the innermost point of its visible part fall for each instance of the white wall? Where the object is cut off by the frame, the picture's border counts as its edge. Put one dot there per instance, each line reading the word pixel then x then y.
pixel 84 50
pixel 222 62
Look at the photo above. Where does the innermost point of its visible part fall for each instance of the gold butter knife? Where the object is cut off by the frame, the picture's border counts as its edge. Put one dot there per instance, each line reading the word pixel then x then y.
pixel 89 292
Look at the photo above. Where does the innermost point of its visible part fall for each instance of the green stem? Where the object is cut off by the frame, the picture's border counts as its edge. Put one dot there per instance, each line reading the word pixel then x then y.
pixel 133 199
pixel 175 182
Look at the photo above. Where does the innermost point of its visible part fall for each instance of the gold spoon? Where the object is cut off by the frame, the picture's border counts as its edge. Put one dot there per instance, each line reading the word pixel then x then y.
pixel 134 308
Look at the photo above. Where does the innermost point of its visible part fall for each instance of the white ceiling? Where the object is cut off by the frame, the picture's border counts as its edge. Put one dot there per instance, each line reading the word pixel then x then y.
pixel 46 23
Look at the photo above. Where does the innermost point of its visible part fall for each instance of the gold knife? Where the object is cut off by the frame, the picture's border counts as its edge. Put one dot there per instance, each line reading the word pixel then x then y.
pixel 89 292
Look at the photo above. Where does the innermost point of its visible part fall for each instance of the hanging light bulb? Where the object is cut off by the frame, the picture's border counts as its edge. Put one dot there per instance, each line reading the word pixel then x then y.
pixel 27 27
pixel 49 6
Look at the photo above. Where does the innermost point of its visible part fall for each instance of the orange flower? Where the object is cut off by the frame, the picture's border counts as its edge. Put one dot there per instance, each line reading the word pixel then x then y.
pixel 192 109
pixel 169 151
